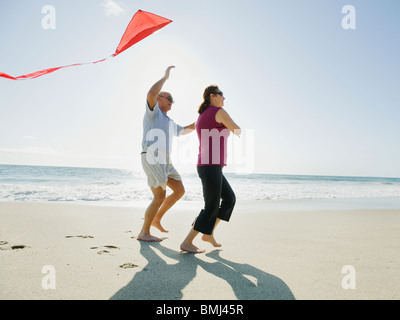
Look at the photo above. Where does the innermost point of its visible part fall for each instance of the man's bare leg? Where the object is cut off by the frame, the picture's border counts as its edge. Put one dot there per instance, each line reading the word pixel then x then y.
pixel 178 191
pixel 187 244
pixel 151 211
pixel 210 237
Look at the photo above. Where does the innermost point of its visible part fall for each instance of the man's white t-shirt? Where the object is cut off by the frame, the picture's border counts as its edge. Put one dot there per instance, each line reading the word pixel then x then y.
pixel 158 131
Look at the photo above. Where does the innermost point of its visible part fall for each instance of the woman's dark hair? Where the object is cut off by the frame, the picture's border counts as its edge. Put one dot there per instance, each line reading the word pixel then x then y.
pixel 213 89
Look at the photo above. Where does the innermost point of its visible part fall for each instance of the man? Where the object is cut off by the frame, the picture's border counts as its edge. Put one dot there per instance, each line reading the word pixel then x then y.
pixel 158 131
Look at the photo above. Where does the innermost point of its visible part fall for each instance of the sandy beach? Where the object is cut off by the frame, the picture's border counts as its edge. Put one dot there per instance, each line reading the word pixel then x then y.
pixel 73 251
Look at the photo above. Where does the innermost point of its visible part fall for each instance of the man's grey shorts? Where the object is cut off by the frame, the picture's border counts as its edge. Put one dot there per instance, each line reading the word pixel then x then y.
pixel 157 173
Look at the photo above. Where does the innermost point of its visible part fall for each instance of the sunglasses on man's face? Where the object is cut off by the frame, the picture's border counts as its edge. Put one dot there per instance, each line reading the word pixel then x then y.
pixel 169 98
pixel 220 93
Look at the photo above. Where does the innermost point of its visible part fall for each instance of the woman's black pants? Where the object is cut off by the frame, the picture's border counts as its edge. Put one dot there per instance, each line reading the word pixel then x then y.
pixel 219 198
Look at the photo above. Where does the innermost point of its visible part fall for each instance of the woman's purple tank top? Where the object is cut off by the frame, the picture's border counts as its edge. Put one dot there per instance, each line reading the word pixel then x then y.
pixel 213 139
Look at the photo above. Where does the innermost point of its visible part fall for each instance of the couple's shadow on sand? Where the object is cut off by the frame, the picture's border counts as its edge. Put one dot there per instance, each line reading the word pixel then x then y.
pixel 159 280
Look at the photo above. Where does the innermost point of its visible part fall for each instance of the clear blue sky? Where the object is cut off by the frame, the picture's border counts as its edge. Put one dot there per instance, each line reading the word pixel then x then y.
pixel 320 99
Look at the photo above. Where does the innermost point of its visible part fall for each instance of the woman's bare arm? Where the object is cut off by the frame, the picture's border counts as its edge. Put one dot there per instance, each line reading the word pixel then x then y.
pixel 223 117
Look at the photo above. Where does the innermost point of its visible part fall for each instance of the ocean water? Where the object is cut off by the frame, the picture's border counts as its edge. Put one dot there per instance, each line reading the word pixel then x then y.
pixel 119 187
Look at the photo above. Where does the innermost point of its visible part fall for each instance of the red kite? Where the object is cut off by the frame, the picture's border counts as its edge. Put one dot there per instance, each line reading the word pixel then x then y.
pixel 141 26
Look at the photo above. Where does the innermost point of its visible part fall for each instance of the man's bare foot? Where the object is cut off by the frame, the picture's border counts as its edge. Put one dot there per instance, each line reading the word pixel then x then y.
pixel 158 225
pixel 148 238
pixel 191 248
pixel 210 239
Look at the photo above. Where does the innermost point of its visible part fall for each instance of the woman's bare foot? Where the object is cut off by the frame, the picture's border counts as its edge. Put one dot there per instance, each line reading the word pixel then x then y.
pixel 210 238
pixel 191 248
pixel 148 238
pixel 158 225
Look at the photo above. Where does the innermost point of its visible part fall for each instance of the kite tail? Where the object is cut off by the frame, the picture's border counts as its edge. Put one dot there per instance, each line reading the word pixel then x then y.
pixel 37 74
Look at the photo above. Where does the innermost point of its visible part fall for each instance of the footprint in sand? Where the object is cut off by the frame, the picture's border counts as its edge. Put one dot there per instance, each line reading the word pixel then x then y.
pixel 80 236
pixel 106 247
pixel 128 265
pixel 129 231
pixel 14 247
pixel 21 246
pixel 103 251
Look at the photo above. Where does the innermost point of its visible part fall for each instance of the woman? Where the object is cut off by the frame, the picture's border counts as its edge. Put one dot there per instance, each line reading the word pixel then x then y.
pixel 213 128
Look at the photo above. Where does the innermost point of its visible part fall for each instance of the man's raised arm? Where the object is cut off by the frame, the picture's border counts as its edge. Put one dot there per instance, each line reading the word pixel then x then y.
pixel 156 89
